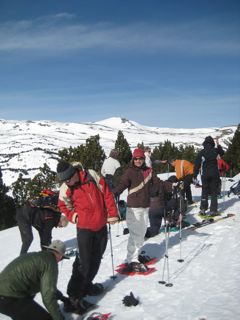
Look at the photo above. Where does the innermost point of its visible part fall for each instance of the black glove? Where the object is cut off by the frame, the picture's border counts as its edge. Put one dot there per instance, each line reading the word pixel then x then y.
pixel 130 301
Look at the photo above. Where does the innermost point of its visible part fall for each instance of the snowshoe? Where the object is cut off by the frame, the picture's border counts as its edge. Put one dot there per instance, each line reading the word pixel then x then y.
pixel 138 267
pixel 78 306
pixel 99 316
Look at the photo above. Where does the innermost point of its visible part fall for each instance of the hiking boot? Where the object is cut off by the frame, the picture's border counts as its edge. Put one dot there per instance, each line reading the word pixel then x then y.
pixel 69 305
pixel 138 267
pixel 95 289
pixel 79 306
pixel 143 259
pixel 202 212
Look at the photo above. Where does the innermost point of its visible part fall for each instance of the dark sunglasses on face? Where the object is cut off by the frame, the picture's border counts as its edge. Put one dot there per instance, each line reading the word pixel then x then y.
pixel 136 159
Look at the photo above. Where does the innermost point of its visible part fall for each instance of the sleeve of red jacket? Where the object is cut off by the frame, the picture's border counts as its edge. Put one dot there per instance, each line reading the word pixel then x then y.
pixel 65 204
pixel 109 201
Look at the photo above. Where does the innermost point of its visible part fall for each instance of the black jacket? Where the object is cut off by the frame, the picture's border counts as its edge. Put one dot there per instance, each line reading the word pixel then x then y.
pixel 42 219
pixel 206 161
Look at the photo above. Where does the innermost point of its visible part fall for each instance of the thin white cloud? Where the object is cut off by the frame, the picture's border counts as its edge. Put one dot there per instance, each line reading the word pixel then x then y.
pixel 62 33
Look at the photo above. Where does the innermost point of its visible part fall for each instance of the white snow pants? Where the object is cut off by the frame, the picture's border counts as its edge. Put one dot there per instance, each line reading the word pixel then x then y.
pixel 137 222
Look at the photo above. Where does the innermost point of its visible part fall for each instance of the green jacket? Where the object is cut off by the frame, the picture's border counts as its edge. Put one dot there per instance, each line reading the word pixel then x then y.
pixel 32 273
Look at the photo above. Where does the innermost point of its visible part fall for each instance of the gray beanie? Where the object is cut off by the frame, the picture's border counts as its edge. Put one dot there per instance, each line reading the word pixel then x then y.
pixel 65 171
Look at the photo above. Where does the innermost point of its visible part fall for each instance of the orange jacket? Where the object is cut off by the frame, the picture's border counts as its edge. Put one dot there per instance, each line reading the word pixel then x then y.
pixel 182 168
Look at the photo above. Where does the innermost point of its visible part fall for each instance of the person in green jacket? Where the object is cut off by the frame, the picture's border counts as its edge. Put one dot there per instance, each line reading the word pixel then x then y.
pixel 27 275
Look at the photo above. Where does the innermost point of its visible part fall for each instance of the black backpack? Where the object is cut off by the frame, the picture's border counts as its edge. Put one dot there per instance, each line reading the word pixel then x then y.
pixel 46 199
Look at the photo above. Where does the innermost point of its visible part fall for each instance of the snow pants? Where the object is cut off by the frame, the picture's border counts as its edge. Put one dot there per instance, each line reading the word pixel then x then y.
pixel 137 222
pixel 155 219
pixel 210 185
pixel 23 309
pixel 25 227
pixel 92 245
pixel 187 187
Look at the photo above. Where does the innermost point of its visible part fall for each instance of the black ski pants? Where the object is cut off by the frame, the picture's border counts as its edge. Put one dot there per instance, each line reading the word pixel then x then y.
pixel 25 227
pixel 155 220
pixel 210 185
pixel 92 245
pixel 187 187
pixel 23 309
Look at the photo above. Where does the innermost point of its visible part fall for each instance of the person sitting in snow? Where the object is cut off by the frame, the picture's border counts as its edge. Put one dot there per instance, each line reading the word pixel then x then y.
pixel 165 204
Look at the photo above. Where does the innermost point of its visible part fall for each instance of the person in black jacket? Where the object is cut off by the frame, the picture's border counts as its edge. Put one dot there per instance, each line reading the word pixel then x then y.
pixel 206 162
pixel 42 219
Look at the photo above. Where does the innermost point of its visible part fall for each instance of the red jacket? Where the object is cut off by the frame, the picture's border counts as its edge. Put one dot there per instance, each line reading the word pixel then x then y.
pixel 223 166
pixel 86 204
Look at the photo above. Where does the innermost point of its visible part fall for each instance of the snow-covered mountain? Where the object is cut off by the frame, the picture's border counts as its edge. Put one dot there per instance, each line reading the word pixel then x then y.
pixel 27 145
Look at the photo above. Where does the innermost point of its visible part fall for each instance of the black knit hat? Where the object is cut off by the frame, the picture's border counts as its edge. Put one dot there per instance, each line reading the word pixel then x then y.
pixel 65 171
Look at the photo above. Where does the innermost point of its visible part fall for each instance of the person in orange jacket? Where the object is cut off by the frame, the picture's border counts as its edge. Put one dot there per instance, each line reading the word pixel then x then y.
pixel 184 172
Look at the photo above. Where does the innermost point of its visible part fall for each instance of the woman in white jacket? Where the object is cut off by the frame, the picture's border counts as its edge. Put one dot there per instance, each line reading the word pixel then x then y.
pixel 110 165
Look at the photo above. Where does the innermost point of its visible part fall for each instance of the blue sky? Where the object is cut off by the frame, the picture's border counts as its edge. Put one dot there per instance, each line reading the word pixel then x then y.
pixel 159 63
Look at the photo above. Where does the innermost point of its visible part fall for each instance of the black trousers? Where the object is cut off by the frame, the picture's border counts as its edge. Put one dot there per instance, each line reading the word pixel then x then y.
pixel 187 187
pixel 92 245
pixel 25 228
pixel 210 185
pixel 23 309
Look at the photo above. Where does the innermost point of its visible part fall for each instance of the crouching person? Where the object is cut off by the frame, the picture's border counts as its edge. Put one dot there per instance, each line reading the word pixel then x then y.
pixel 158 206
pixel 86 200
pixel 27 275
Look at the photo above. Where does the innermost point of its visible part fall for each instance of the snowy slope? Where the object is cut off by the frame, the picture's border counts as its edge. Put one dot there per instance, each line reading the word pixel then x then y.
pixel 205 286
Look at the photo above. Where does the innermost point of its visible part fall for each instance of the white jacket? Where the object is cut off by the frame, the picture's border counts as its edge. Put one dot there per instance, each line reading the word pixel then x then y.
pixel 109 166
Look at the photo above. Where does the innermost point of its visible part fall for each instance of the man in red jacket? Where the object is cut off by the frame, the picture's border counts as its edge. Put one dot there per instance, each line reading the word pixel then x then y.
pixel 89 203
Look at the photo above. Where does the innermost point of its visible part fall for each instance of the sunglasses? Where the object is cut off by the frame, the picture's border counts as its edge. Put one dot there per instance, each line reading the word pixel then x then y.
pixel 137 159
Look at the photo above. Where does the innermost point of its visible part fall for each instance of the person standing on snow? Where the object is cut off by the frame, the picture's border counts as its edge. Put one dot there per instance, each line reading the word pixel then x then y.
pixel 138 179
pixel 82 201
pixel 206 163
pixel 27 275
pixel 109 167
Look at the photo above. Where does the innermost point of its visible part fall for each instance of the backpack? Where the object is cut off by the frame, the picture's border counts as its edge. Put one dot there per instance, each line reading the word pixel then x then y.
pixel 235 189
pixel 92 175
pixel 46 199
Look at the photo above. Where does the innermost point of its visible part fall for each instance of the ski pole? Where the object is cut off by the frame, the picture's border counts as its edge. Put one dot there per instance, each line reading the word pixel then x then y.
pixel 166 262
pixel 180 223
pixel 223 190
pixel 111 248
pixel 180 239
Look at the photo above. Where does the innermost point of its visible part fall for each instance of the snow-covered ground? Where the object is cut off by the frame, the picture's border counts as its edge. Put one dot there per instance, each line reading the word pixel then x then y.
pixel 205 286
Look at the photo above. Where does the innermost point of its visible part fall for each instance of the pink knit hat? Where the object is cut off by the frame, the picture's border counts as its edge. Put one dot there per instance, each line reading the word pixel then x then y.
pixel 138 153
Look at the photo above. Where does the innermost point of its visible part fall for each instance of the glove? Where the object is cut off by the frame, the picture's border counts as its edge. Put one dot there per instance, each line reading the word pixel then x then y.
pixel 130 301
